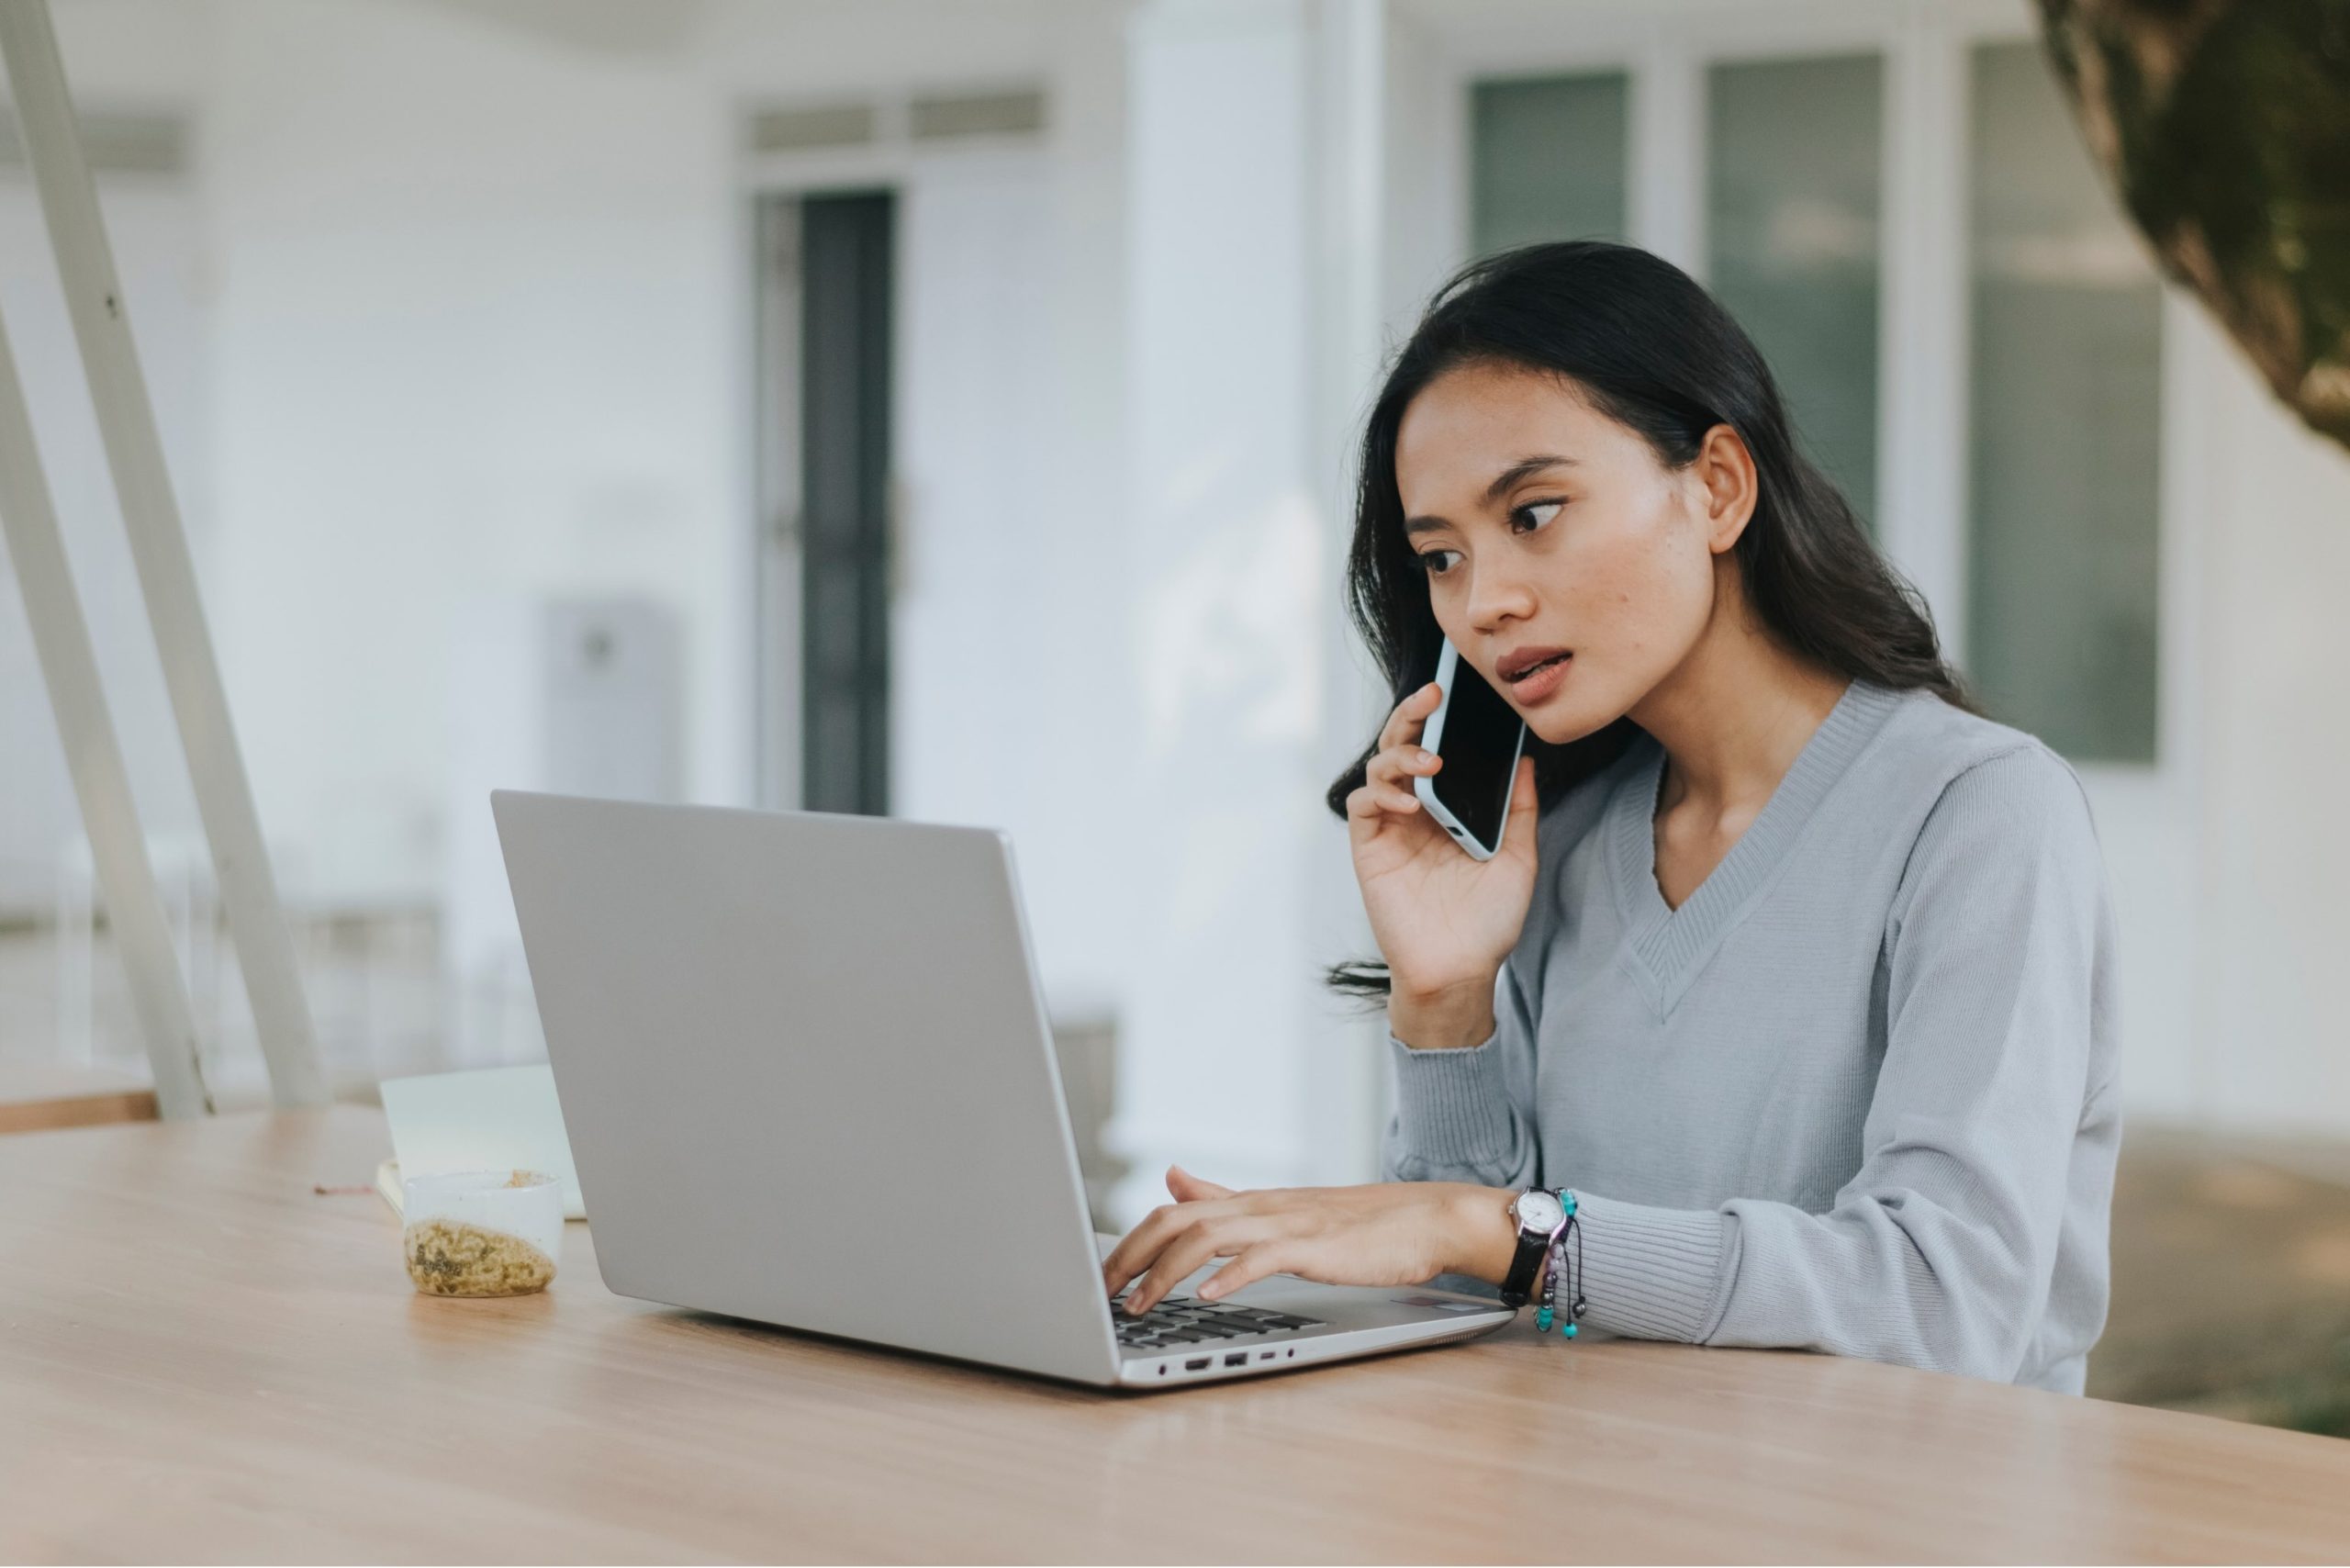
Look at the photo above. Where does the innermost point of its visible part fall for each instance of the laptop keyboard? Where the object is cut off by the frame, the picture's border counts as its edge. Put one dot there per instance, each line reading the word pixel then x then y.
pixel 1185 1320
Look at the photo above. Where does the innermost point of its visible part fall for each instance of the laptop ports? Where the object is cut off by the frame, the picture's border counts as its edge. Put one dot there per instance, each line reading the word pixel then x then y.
pixel 1238 1359
pixel 1199 1364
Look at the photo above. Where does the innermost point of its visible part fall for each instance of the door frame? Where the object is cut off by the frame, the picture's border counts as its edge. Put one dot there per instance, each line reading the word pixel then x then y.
pixel 766 316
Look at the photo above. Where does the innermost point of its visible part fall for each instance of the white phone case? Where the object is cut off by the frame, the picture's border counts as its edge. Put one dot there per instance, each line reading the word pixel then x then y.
pixel 1447 664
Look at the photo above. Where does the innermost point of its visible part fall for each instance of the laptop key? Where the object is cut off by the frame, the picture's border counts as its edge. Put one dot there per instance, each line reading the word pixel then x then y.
pixel 1186 1320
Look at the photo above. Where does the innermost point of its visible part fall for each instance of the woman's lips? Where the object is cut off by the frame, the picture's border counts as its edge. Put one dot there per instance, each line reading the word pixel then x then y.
pixel 1540 681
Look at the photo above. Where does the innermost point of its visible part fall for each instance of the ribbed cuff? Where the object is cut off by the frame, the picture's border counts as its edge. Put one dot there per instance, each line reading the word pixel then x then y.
pixel 1650 1273
pixel 1451 1106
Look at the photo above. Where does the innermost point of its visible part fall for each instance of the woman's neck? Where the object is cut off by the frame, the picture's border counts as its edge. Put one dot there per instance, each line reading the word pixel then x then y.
pixel 1734 715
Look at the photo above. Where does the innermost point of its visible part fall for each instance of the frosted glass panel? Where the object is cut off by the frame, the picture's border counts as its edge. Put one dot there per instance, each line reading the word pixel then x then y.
pixel 2067 348
pixel 1792 211
pixel 1548 160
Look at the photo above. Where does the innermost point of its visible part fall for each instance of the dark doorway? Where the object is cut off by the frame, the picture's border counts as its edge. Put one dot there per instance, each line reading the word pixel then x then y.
pixel 846 253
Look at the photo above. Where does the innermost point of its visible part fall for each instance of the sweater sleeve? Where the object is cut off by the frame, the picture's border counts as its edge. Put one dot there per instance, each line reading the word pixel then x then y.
pixel 1468 1115
pixel 1939 1251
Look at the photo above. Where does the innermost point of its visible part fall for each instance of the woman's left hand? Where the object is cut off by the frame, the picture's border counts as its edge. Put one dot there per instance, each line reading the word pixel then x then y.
pixel 1393 1233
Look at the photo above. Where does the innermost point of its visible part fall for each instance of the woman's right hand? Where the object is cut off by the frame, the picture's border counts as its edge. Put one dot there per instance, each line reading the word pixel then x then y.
pixel 1444 922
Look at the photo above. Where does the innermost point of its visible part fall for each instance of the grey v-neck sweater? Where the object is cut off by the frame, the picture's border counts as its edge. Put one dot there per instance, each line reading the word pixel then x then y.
pixel 1856 1094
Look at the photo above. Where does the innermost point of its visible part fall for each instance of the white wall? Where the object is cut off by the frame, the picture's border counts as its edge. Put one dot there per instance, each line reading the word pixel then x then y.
pixel 473 338
pixel 2271 1015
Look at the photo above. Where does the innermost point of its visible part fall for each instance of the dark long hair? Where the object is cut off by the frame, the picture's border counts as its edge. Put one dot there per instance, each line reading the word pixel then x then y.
pixel 1654 352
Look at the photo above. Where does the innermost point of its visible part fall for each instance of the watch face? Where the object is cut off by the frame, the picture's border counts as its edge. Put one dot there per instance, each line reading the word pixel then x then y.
pixel 1539 1211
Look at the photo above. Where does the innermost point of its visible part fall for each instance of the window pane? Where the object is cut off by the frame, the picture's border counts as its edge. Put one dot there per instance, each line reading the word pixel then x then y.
pixel 1791 209
pixel 2067 348
pixel 1548 157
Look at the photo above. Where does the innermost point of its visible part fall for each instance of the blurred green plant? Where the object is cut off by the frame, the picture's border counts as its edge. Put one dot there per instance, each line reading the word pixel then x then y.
pixel 2224 125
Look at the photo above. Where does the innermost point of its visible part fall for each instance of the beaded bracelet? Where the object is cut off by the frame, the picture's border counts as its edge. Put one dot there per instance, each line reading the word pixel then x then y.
pixel 1556 1265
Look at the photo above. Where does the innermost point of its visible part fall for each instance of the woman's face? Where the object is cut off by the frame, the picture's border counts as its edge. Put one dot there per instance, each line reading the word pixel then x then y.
pixel 1564 558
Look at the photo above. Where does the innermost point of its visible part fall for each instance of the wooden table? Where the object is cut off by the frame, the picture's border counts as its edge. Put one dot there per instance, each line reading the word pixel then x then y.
pixel 201 1359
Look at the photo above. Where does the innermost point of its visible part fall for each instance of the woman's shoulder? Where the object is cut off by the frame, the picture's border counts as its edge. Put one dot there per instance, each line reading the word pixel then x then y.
pixel 1960 776
pixel 1938 743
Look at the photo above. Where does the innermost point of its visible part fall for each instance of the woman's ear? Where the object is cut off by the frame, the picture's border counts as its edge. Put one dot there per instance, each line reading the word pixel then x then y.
pixel 1725 469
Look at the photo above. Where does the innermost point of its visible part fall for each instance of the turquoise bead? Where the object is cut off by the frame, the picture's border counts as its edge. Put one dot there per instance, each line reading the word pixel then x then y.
pixel 1569 1330
pixel 1542 1320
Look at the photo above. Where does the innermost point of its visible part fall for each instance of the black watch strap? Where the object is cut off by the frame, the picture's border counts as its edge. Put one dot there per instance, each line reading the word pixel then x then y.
pixel 1518 1288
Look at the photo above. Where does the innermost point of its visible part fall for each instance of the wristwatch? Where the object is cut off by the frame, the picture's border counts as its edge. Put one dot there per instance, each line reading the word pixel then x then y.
pixel 1541 1216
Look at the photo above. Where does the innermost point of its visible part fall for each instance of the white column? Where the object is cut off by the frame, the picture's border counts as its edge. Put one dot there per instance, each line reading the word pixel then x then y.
pixel 1346 1057
pixel 1668 189
pixel 1922 333
pixel 1233 583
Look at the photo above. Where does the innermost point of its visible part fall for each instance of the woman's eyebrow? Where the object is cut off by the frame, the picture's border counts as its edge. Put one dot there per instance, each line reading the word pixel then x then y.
pixel 1524 467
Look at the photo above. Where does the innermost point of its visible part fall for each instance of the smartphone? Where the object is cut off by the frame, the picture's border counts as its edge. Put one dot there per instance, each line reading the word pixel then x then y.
pixel 1479 735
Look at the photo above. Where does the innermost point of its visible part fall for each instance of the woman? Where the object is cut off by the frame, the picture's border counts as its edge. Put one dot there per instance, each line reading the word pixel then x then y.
pixel 1793 971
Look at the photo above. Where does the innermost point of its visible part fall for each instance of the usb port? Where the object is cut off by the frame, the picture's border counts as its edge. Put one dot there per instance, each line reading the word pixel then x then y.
pixel 1238 1359
pixel 1200 1364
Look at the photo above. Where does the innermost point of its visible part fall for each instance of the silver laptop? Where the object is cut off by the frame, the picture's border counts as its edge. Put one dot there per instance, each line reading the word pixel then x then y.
pixel 805 1067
